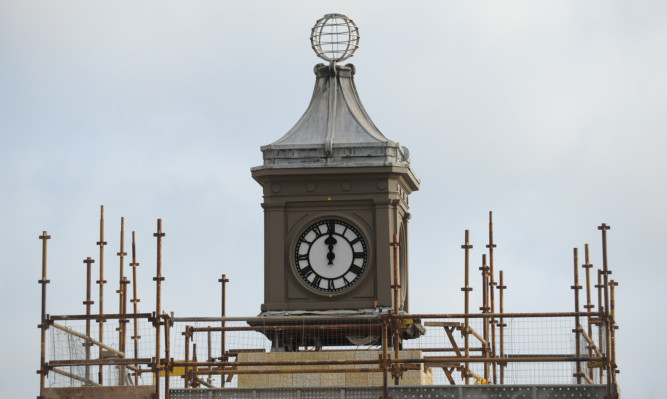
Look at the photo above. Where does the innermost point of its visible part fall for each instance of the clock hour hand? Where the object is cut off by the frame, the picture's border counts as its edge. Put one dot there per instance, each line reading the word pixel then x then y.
pixel 330 241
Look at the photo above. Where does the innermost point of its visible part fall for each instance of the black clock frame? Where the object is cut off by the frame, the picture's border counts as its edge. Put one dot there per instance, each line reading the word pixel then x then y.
pixel 358 270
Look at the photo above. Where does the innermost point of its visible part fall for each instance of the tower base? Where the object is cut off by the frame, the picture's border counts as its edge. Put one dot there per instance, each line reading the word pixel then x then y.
pixel 323 375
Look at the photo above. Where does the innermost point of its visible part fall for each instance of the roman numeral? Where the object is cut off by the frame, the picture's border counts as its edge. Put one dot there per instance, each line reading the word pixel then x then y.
pixel 307 271
pixel 302 257
pixel 316 281
pixel 356 240
pixel 355 269
pixel 331 285
pixel 358 255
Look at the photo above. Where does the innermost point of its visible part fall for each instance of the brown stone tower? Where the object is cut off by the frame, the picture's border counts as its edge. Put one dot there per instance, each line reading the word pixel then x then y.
pixel 335 192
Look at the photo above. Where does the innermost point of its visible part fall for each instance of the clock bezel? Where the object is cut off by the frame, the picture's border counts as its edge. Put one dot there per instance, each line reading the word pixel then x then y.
pixel 303 227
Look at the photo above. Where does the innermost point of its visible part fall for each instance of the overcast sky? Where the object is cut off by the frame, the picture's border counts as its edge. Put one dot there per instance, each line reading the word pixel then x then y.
pixel 551 114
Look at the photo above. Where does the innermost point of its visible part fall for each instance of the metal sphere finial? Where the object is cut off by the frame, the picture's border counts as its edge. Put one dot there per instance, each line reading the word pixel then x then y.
pixel 334 37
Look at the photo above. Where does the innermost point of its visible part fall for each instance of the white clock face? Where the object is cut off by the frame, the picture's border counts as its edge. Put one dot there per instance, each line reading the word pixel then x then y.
pixel 331 255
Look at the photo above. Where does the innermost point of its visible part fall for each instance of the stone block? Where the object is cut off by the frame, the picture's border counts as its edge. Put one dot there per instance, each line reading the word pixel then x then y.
pixel 427 377
pixel 332 379
pixel 377 379
pixel 411 377
pixel 280 380
pixel 341 356
pixel 366 355
pixel 356 379
pixel 292 379
pixel 306 380
pixel 253 380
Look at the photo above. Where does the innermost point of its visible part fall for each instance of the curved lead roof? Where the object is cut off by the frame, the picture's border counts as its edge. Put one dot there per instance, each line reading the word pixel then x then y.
pixel 335 130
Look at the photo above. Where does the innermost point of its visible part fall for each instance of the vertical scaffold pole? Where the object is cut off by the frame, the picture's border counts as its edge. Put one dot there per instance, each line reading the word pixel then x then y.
pixel 186 375
pixel 466 290
pixel 614 327
pixel 167 354
pixel 607 320
pixel 396 286
pixel 135 336
pixel 158 306
pixel 589 306
pixel 502 325
pixel 123 322
pixel 121 298
pixel 101 282
pixel 43 324
pixel 88 261
pixel 195 378
pixel 492 283
pixel 223 310
pixel 385 359
pixel 601 326
pixel 210 356
pixel 577 325
pixel 485 309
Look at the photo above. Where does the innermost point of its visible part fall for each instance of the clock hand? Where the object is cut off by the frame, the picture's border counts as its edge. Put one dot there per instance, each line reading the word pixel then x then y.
pixel 330 241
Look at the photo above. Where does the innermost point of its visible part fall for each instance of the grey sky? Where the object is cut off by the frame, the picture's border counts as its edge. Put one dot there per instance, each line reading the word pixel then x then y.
pixel 551 114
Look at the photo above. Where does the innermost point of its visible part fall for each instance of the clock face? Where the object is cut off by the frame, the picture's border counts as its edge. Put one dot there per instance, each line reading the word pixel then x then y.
pixel 331 255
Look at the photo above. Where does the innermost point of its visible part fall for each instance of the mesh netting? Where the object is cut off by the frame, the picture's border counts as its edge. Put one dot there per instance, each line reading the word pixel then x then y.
pixel 550 340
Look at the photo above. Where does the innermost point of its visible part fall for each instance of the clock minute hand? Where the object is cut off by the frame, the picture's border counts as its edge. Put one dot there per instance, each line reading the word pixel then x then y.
pixel 330 241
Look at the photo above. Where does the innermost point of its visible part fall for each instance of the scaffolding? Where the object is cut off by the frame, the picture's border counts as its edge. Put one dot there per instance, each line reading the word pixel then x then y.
pixel 491 348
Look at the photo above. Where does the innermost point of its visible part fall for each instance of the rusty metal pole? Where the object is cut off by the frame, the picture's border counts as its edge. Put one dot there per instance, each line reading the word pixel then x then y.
pixel 492 283
pixel 396 286
pixel 121 255
pixel 167 354
pixel 88 261
pixel 466 290
pixel 577 325
pixel 600 327
pixel 121 298
pixel 123 322
pixel 101 282
pixel 589 306
pixel 186 374
pixel 158 304
pixel 614 327
pixel 135 336
pixel 43 324
pixel 385 360
pixel 607 320
pixel 502 325
pixel 223 358
pixel 210 355
pixel 195 381
pixel 485 309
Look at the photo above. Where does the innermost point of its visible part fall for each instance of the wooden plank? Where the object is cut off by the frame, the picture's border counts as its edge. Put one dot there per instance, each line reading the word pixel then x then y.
pixel 442 324
pixel 108 392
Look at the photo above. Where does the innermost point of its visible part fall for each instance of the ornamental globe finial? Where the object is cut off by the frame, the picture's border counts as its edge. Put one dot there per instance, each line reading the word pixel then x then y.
pixel 334 38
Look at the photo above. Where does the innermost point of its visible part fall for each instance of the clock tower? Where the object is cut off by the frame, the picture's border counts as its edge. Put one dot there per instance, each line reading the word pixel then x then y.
pixel 335 194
